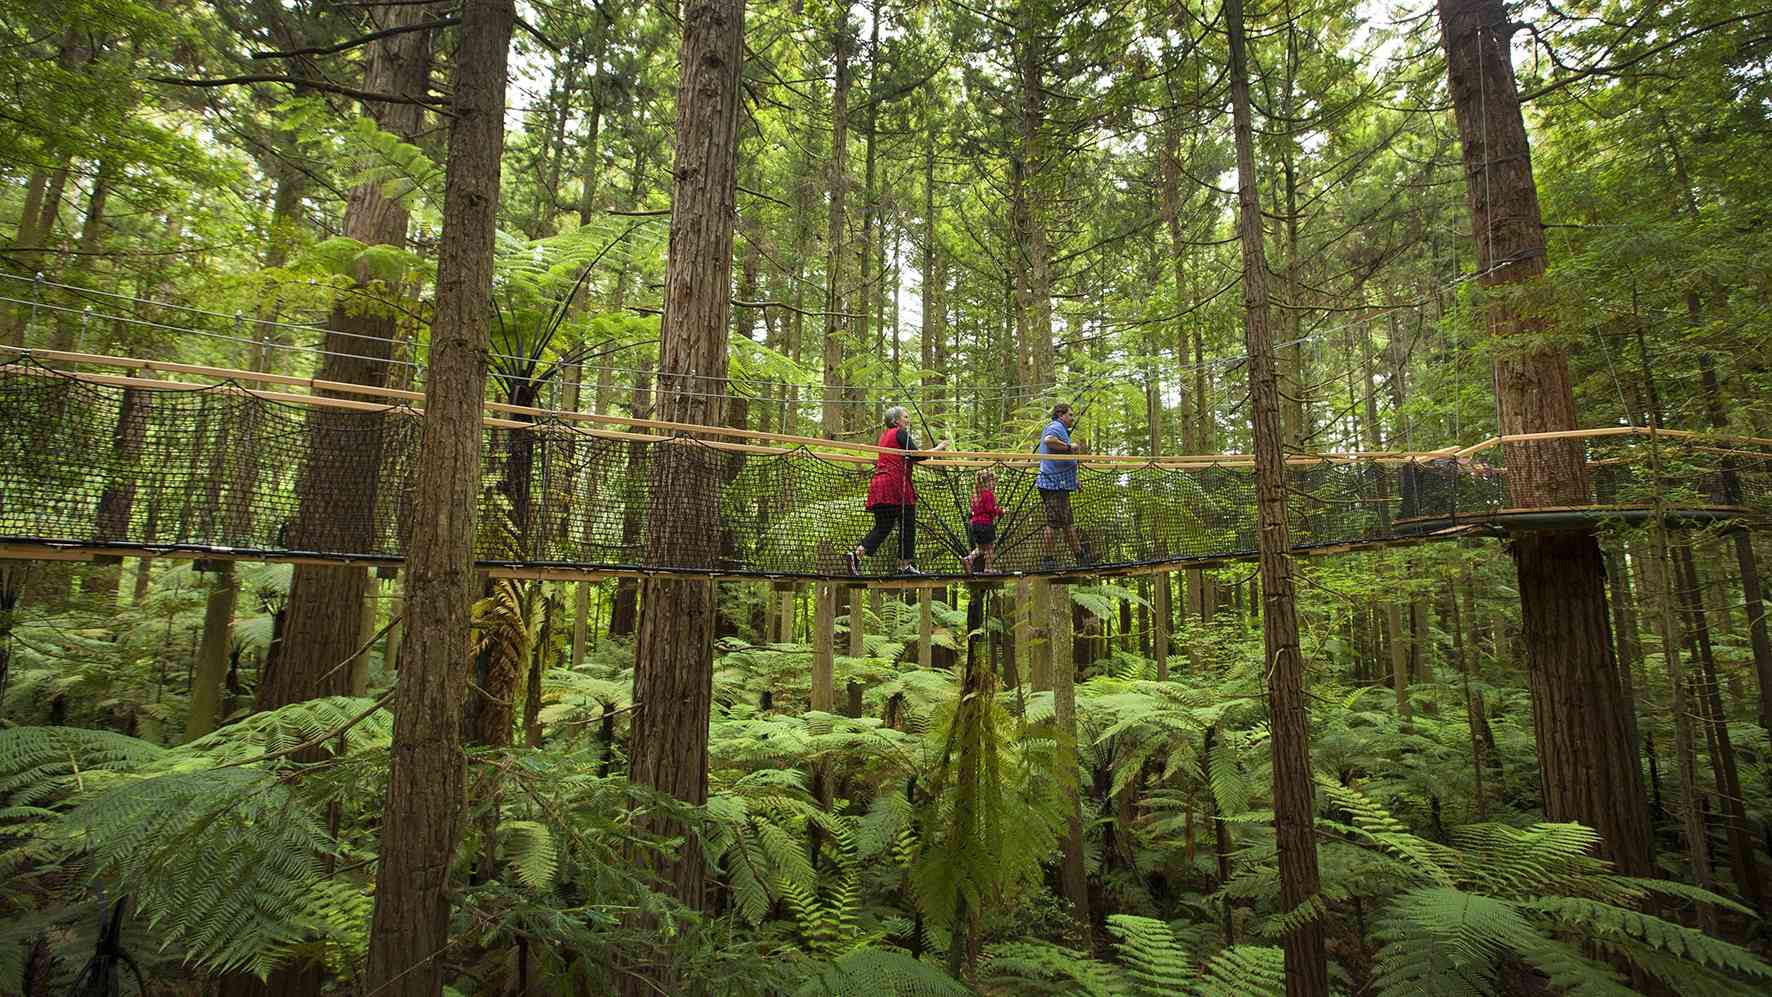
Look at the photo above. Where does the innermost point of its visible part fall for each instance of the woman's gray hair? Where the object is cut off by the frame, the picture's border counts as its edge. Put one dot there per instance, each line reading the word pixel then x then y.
pixel 894 414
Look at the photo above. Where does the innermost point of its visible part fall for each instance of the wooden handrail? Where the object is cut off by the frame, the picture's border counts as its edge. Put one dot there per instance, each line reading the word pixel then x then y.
pixel 395 399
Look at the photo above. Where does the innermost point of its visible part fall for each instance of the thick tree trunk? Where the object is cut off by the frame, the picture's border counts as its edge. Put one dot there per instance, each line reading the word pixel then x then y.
pixel 116 504
pixel 624 613
pixel 1659 577
pixel 674 662
pixel 1073 874
pixel 422 824
pixel 1030 68
pixel 1172 204
pixel 69 331
pixel 1590 773
pixel 934 309
pixel 1742 862
pixel 212 652
pixel 831 421
pixel 872 275
pixel 224 591
pixel 1464 650
pixel 1752 595
pixel 338 488
pixel 1307 971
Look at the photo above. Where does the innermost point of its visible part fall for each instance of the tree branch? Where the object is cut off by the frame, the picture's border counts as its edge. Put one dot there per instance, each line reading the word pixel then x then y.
pixel 364 95
pixel 444 22
pixel 534 32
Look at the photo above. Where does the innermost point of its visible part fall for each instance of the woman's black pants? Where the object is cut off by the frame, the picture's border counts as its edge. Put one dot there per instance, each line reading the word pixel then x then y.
pixel 886 518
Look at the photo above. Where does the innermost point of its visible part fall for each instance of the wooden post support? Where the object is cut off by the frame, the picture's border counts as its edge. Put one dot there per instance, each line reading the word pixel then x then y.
pixel 858 646
pixel 581 619
pixel 858 621
pixel 770 606
pixel 1040 646
pixel 824 695
pixel 390 653
pixel 1160 620
pixel 788 598
pixel 1022 640
pixel 359 674
pixel 925 629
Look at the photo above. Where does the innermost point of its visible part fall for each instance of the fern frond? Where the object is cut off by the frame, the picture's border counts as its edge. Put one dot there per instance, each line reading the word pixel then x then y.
pixel 1245 971
pixel 42 764
pixel 1028 967
pixel 1619 925
pixel 1158 966
pixel 879 971
pixel 532 851
pixel 223 862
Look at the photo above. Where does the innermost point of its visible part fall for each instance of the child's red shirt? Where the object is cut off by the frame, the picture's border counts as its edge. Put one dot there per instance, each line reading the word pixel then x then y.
pixel 984 507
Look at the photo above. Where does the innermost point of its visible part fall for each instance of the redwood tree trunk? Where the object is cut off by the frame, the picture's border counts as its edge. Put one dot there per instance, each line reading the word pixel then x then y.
pixel 338 487
pixel 410 930
pixel 831 418
pixel 674 659
pixel 1752 597
pixel 1307 968
pixel 1590 772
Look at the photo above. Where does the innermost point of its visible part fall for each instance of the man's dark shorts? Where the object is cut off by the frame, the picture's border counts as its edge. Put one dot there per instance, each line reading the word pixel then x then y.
pixel 1058 508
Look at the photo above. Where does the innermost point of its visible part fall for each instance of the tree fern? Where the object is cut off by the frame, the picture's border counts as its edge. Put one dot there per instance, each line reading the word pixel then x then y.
pixel 1155 964
pixel 222 862
pixel 286 727
pixel 531 850
pixel 1244 971
pixel 1027 967
pixel 44 764
pixel 1631 931
pixel 880 971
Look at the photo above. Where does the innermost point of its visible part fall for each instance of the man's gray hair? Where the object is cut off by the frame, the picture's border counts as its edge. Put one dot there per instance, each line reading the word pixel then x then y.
pixel 894 414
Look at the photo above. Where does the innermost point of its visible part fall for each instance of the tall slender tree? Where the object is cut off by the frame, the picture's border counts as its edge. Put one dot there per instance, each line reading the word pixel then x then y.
pixel 1590 772
pixel 426 777
pixel 1307 967
pixel 674 660
pixel 338 492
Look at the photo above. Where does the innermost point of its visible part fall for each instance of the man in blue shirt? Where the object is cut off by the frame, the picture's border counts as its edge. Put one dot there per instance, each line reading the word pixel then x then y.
pixel 1057 480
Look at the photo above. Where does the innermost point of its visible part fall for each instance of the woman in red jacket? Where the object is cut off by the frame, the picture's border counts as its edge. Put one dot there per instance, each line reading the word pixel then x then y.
pixel 891 497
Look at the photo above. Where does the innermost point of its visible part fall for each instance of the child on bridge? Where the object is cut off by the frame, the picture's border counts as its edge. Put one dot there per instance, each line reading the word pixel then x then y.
pixel 983 524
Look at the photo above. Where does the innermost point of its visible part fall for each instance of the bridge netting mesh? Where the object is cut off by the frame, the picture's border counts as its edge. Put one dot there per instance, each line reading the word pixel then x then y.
pixel 221 470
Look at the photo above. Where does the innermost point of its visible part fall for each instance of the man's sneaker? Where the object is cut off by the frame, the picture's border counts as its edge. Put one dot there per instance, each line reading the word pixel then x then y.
pixel 854 563
pixel 1086 557
pixel 910 569
pixel 1048 564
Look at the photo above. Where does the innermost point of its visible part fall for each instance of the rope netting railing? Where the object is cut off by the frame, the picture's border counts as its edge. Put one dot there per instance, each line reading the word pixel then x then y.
pixel 238 469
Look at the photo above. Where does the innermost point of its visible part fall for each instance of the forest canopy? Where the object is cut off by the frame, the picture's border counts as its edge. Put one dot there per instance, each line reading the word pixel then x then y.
pixel 1530 758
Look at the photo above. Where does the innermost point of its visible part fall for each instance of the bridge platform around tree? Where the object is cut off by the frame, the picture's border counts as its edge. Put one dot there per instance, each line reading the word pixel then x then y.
pixel 98 461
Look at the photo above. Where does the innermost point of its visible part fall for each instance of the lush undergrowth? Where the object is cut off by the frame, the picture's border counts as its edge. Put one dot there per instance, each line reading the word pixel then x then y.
pixel 911 848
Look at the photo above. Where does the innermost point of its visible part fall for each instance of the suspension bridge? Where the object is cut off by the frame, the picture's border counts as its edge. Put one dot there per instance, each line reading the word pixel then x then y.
pixel 107 456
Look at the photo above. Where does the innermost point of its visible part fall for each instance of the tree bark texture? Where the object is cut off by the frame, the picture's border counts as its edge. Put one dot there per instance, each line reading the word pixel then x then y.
pixel 831 421
pixel 1030 69
pixel 1589 772
pixel 1307 970
pixel 338 491
pixel 1753 598
pixel 426 780
pixel 674 662
pixel 1742 862
pixel 1073 872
